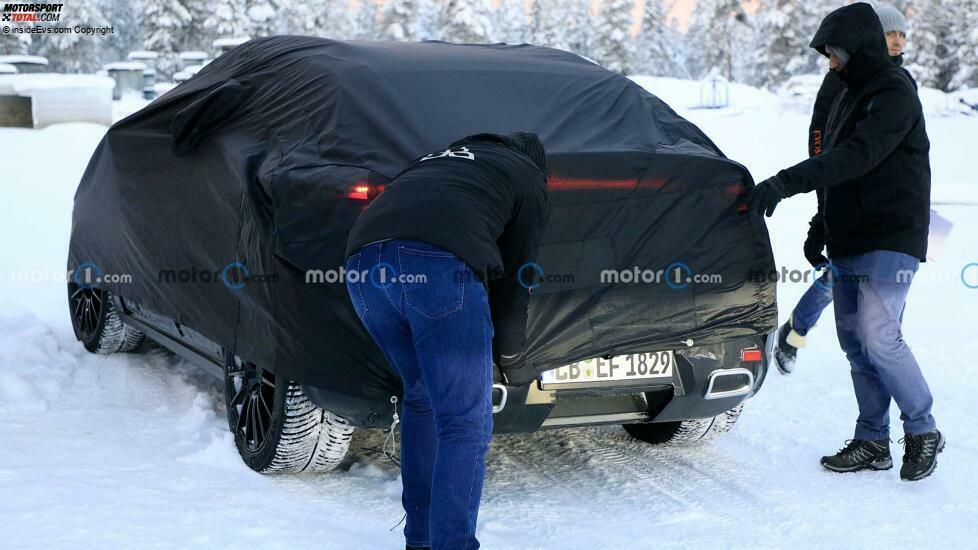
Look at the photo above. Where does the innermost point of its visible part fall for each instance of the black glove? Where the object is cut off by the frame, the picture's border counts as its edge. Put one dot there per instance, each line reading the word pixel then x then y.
pixel 815 242
pixel 516 372
pixel 765 196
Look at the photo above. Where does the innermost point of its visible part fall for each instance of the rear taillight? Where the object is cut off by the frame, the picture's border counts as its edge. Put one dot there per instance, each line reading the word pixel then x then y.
pixel 737 190
pixel 750 355
pixel 364 191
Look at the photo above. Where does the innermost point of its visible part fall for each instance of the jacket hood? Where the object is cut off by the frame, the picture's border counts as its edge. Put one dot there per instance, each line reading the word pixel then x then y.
pixel 856 28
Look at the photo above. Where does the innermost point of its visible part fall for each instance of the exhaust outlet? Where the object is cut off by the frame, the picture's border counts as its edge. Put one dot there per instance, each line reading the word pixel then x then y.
pixel 729 383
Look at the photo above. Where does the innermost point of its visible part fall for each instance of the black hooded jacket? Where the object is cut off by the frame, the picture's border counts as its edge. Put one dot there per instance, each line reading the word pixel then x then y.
pixel 874 169
pixel 828 92
pixel 483 199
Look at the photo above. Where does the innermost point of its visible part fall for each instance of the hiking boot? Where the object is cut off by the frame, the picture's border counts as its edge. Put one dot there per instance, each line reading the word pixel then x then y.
pixel 920 455
pixel 786 350
pixel 860 454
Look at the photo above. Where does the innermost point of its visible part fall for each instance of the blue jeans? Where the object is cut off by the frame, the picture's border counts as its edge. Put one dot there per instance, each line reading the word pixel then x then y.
pixel 809 308
pixel 870 295
pixel 437 334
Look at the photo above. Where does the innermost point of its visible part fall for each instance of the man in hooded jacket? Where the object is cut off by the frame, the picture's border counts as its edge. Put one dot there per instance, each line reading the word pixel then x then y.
pixel 793 335
pixel 874 174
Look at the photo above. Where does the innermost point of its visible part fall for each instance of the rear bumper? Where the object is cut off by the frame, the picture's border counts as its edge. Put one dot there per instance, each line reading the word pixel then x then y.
pixel 708 380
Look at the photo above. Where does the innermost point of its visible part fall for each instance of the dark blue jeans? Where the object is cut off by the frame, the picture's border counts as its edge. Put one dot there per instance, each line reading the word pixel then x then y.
pixel 870 295
pixel 812 303
pixel 429 314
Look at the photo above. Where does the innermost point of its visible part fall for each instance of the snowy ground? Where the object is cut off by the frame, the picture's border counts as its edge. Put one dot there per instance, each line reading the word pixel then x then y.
pixel 133 451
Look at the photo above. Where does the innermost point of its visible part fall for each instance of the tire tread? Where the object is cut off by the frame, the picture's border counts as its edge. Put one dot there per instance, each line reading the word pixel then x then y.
pixel 311 439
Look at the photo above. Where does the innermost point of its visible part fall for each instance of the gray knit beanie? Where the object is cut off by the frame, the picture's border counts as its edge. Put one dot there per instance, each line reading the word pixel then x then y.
pixel 892 19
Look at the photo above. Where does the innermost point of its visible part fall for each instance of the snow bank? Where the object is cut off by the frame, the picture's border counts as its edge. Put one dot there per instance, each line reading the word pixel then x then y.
pixel 797 95
pixel 224 43
pixel 193 55
pixel 685 94
pixel 938 103
pixel 142 54
pixel 125 66
pixel 31 59
pixel 57 98
pixel 6 68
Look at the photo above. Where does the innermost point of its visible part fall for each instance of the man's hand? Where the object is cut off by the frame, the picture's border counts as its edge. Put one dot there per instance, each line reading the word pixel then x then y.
pixel 765 196
pixel 815 242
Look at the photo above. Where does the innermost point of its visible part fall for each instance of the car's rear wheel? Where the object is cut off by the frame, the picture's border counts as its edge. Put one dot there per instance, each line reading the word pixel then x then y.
pixel 276 428
pixel 686 431
pixel 97 323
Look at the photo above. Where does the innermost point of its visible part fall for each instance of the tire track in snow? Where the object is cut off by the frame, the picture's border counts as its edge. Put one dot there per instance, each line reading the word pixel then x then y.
pixel 575 464
pixel 685 475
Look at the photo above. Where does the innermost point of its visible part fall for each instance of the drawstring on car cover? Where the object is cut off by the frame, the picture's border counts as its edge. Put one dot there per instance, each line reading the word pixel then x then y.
pixel 392 435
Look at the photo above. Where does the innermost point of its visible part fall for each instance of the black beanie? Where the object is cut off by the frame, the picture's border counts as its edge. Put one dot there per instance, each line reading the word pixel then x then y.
pixel 525 142
pixel 529 144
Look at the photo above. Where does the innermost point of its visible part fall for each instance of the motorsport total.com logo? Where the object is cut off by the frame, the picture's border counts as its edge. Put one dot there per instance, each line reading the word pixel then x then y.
pixel 31 13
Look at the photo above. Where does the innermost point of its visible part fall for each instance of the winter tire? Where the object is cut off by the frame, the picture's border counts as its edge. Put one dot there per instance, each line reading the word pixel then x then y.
pixel 97 323
pixel 276 428
pixel 686 431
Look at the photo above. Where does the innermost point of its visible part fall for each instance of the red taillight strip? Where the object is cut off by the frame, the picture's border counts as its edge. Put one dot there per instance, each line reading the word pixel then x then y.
pixel 558 183
pixel 364 191
pixel 750 355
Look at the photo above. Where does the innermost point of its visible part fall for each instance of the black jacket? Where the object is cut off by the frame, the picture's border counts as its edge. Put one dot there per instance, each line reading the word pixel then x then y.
pixel 482 199
pixel 874 171
pixel 828 92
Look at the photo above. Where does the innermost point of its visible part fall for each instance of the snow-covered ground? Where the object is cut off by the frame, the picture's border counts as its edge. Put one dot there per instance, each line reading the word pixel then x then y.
pixel 133 451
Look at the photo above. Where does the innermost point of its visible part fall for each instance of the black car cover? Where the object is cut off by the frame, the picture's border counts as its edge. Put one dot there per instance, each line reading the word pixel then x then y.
pixel 227 202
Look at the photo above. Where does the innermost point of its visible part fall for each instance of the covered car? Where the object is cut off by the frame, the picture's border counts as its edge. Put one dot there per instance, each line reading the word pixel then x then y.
pixel 229 199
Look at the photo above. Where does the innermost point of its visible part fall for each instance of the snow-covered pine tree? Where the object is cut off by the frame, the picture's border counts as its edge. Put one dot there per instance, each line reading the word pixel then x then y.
pixel 126 17
pixel 613 43
pixel 164 31
pixel 72 52
pixel 306 17
pixel 934 42
pixel 720 37
pixel 340 21
pixel 227 19
pixel 509 22
pixel 548 24
pixel 656 46
pixel 466 22
pixel 784 30
pixel 197 35
pixel 264 16
pixel 428 13
pixel 366 18
pixel 13 43
pixel 580 27
pixel 399 21
pixel 677 39
pixel 967 75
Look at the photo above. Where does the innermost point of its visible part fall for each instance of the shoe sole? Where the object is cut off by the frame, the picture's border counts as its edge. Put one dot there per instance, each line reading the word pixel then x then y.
pixel 878 466
pixel 777 363
pixel 940 449
pixel 776 351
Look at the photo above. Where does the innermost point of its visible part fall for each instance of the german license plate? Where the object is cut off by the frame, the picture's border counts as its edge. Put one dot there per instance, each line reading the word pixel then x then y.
pixel 635 366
